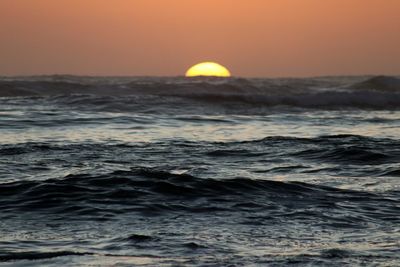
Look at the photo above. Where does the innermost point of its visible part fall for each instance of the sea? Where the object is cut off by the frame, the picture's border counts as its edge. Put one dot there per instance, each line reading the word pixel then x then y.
pixel 175 171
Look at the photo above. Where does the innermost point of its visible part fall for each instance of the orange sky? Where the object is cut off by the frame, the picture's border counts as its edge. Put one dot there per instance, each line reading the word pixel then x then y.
pixel 164 37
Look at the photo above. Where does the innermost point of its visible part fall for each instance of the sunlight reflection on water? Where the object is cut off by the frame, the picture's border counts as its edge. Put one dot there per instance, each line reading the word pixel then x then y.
pixel 223 128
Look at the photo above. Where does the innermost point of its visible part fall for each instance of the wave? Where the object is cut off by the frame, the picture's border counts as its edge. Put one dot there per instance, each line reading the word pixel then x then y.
pixel 379 83
pixel 349 155
pixel 154 191
pixel 338 149
pixel 377 92
pixel 34 255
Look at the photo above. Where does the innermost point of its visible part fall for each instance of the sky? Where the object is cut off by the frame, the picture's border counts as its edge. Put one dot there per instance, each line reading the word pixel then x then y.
pixel 252 38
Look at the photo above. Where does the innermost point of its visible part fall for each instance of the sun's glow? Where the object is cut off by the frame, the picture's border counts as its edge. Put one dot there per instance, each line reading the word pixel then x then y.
pixel 208 69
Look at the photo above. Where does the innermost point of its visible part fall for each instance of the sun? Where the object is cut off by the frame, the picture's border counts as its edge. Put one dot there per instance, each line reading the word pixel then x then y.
pixel 208 69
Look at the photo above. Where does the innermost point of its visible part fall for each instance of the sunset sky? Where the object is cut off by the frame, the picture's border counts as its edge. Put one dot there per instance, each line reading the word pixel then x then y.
pixel 265 38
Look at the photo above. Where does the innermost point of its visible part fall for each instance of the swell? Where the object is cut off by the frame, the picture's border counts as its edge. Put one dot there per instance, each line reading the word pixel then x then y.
pixel 381 83
pixel 376 92
pixel 339 149
pixel 153 191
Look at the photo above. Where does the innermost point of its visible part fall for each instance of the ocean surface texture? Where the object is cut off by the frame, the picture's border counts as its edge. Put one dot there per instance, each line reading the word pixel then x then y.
pixel 199 172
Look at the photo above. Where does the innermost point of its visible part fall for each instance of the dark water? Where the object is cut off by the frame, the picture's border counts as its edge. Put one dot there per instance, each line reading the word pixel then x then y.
pixel 199 172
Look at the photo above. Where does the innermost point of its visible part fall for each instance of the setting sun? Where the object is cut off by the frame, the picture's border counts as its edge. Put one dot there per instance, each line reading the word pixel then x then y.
pixel 208 69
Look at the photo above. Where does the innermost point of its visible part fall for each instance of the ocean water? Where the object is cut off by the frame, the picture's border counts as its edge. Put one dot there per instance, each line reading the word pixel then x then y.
pixel 122 171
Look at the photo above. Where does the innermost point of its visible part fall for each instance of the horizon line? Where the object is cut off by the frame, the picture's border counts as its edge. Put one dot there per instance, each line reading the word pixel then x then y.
pixel 183 76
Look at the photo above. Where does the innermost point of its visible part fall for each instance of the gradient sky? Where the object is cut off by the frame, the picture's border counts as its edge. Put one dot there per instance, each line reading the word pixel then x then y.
pixel 165 37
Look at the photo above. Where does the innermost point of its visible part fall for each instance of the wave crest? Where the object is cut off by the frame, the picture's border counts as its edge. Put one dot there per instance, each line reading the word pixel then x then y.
pixel 156 191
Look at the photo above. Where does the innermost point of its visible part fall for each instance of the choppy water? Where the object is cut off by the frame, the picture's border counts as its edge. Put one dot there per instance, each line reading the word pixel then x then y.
pixel 199 172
